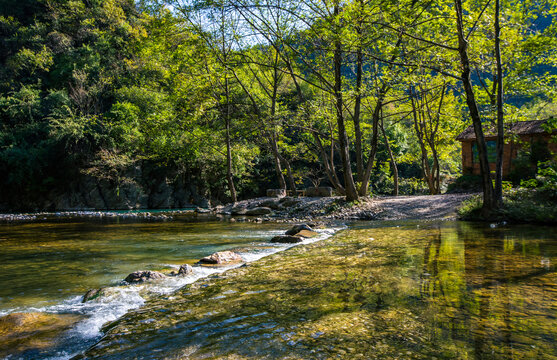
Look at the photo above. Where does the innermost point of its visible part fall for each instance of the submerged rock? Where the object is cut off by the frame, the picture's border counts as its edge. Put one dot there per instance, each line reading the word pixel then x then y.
pixel 297 228
pixel 286 239
pixel 21 332
pixel 221 257
pixel 258 211
pixel 141 276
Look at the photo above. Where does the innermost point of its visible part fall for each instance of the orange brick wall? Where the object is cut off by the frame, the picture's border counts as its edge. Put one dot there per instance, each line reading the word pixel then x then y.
pixel 510 151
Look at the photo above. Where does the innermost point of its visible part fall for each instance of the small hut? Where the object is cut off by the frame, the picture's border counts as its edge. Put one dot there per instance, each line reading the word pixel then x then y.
pixel 518 135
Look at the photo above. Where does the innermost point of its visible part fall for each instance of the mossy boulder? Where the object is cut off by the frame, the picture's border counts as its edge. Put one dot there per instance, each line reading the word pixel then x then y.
pixel 142 276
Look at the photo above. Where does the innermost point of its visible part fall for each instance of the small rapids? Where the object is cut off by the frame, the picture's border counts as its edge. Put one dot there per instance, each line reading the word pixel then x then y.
pixel 120 297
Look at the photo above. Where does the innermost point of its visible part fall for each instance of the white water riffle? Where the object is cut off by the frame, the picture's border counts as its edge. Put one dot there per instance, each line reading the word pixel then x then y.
pixel 117 300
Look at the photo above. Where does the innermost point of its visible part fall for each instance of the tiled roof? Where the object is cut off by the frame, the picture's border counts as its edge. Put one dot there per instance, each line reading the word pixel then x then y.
pixel 518 128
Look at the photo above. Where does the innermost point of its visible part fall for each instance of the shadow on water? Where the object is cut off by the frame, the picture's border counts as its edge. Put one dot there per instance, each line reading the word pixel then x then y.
pixel 446 290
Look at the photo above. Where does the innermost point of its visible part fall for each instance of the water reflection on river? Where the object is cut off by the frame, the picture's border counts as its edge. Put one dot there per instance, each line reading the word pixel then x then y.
pixel 408 290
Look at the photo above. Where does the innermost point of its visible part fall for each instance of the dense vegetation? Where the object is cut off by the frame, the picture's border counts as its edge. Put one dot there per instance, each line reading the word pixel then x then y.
pixel 142 101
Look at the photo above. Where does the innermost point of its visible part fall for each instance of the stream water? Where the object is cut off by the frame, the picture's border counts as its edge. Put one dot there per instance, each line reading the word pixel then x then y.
pixel 385 290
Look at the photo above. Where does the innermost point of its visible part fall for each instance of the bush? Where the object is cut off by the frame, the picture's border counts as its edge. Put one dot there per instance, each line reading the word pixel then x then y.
pixel 535 201
pixel 465 183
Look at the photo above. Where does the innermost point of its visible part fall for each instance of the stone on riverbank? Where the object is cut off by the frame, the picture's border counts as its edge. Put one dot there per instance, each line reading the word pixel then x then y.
pixel 322 191
pixel 142 276
pixel 276 193
pixel 258 211
pixel 286 239
pixel 221 257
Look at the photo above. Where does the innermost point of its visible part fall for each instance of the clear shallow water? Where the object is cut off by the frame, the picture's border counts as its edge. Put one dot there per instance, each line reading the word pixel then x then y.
pixel 406 290
pixel 47 267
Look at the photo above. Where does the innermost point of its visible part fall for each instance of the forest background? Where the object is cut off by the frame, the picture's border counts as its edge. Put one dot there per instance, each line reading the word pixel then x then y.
pixel 149 104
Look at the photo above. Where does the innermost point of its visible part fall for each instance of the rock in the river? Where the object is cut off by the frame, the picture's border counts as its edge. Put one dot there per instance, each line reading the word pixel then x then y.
pixel 141 276
pixel 286 239
pixel 221 257
pixel 297 228
pixel 185 270
pixel 258 211
pixel 93 294
pixel 306 234
pixel 21 332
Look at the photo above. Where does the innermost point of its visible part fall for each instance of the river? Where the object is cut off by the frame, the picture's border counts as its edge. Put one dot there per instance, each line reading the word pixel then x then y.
pixel 381 290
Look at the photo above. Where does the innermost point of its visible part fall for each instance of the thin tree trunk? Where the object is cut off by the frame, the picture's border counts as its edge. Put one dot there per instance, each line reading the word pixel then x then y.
pixel 393 161
pixel 419 128
pixel 498 193
pixel 374 140
pixel 289 174
pixel 350 187
pixel 474 112
pixel 332 156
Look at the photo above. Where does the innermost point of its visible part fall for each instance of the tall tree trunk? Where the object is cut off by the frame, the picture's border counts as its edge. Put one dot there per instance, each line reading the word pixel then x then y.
pixel 350 187
pixel 229 177
pixel 474 112
pixel 391 156
pixel 273 136
pixel 498 193
pixel 358 104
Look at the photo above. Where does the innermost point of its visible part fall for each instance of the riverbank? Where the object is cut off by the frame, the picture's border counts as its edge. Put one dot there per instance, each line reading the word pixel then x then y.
pixel 287 209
